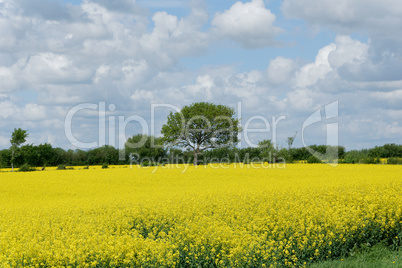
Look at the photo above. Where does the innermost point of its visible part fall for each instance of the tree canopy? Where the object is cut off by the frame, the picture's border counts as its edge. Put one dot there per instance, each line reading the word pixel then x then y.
pixel 202 126
pixel 18 137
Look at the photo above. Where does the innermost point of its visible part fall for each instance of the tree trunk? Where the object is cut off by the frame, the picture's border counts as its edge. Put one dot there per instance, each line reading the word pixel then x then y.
pixel 195 162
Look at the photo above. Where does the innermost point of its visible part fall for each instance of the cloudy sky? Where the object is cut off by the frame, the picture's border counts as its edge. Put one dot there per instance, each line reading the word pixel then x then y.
pixel 65 66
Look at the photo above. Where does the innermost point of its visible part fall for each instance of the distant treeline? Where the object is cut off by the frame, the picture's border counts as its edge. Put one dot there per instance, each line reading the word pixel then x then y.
pixel 152 152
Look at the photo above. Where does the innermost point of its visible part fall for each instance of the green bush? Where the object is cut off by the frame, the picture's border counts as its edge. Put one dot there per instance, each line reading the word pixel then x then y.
pixel 313 160
pixel 394 161
pixel 61 167
pixel 26 168
pixel 105 166
pixel 350 159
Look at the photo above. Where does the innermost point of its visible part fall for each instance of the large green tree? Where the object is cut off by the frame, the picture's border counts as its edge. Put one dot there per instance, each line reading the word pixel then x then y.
pixel 202 126
pixel 18 137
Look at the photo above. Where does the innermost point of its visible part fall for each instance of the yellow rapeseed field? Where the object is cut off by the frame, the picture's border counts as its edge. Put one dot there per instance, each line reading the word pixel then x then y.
pixel 206 216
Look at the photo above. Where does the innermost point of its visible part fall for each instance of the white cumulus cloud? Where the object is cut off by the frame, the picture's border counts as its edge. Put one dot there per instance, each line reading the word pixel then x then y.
pixel 311 73
pixel 250 24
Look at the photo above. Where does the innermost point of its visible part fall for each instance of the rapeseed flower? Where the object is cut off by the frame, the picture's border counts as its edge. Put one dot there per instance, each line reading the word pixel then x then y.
pixel 176 216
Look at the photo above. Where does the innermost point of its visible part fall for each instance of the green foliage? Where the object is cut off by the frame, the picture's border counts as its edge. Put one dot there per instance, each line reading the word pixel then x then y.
pixel 61 167
pixel 265 152
pixel 268 151
pixel 48 155
pixel 313 160
pixel 371 160
pixel 284 155
pixel 373 155
pixel 290 140
pixel 355 156
pixel 394 161
pixel 144 147
pixel 193 129
pixel 219 155
pixel 249 154
pixel 202 126
pixel 30 155
pixel 177 156
pixel 18 137
pixel 26 168
pixel 105 154
pixel 331 153
pixel 41 155
pixel 105 166
pixel 5 158
pixel 76 157
pixel 385 151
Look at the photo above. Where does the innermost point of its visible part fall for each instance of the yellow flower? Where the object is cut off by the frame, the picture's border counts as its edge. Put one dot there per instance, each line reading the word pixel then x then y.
pixel 234 215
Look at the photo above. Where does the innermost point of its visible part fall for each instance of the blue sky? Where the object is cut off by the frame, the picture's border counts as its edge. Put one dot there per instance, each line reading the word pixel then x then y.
pixel 267 59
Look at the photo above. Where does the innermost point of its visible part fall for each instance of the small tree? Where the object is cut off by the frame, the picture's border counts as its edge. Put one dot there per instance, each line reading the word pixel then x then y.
pixel 18 137
pixel 290 140
pixel 289 154
pixel 202 126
